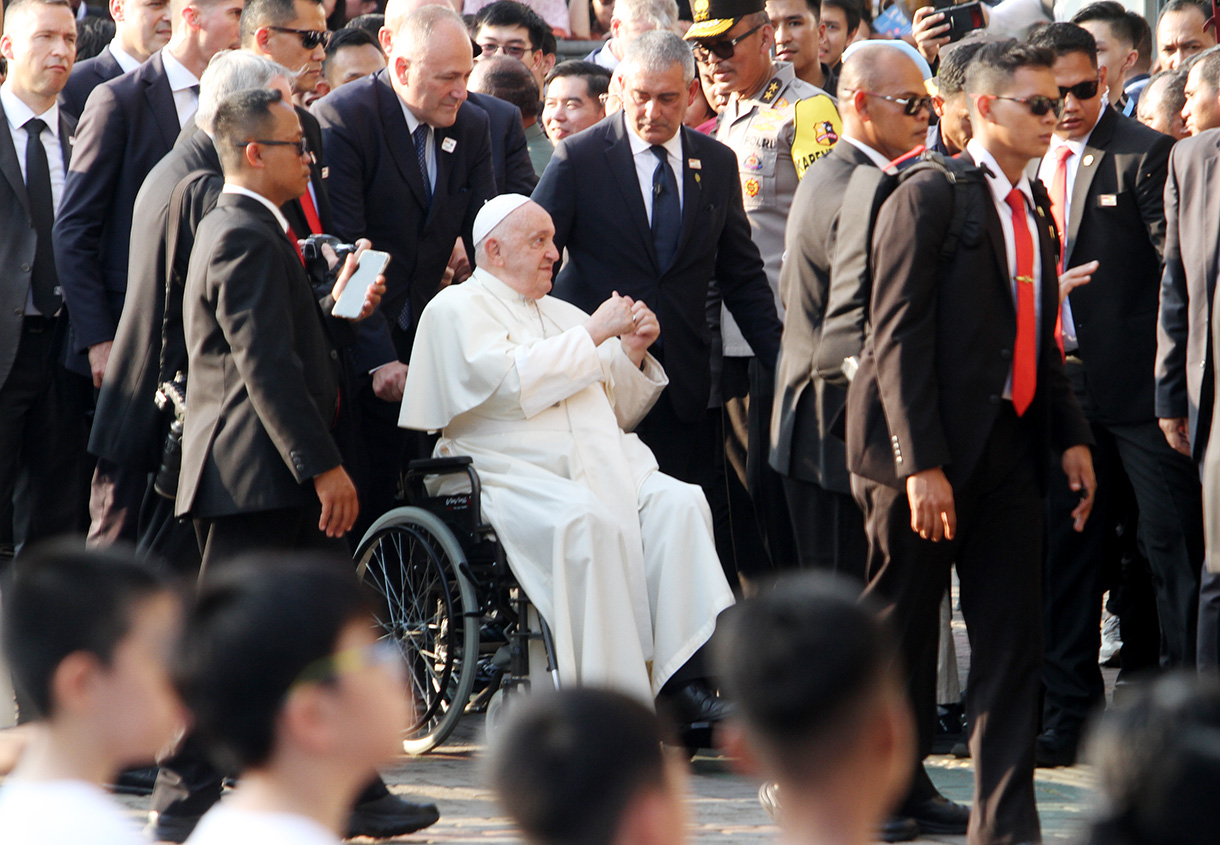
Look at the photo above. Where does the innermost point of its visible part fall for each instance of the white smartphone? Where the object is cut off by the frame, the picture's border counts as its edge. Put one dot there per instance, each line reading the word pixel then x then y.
pixel 351 301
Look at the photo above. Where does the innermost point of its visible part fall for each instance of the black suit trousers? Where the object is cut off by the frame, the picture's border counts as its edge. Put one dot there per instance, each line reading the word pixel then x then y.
pixel 1169 530
pixel 997 551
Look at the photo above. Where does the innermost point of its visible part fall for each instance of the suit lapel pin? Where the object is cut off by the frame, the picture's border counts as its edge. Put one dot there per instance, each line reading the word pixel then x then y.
pixel 697 180
pixel 325 172
pixel 694 164
pixel 1041 213
pixel 1088 160
pixel 449 145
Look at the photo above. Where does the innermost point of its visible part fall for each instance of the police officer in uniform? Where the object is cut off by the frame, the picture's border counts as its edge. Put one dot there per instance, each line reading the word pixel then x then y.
pixel 778 125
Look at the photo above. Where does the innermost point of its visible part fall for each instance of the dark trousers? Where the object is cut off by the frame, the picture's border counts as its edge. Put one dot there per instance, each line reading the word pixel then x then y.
pixel 762 534
pixel 1209 622
pixel 1169 532
pixel 829 529
pixel 43 429
pixel 997 551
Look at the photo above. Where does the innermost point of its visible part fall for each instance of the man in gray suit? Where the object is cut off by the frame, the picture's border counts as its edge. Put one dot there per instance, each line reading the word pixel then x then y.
pixel 42 423
pixel 829 526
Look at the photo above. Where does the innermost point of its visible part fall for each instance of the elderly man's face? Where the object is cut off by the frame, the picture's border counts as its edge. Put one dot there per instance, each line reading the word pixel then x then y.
pixel 1153 113
pixel 1202 109
pixel 432 81
pixel 1181 35
pixel 526 251
pixel 655 102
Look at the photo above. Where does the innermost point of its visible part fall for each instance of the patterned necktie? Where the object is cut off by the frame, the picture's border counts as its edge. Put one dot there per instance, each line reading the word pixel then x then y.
pixel 44 280
pixel 666 209
pixel 420 136
pixel 1025 352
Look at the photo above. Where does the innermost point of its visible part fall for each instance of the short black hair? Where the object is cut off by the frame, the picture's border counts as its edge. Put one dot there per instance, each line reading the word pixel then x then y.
pixel 512 13
pixel 260 13
pixel 954 59
pixel 1113 13
pixel 1203 9
pixel 505 78
pixel 596 77
pixel 1064 38
pixel 60 599
pixel 256 625
pixel 92 36
pixel 565 766
pixel 240 117
pixel 853 11
pixel 370 23
pixel 349 37
pixel 995 63
pixel 1143 40
pixel 1173 98
pixel 798 660
pixel 1209 67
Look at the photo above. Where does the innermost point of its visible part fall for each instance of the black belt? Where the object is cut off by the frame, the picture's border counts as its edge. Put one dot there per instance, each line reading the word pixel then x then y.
pixel 37 324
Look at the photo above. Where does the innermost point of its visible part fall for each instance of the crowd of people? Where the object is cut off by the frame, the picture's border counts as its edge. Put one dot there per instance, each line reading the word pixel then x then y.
pixel 750 286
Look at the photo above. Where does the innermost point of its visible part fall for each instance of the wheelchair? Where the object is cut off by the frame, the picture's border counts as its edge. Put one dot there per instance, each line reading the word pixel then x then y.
pixel 449 601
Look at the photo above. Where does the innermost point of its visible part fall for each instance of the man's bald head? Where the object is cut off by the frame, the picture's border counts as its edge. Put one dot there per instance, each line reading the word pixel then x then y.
pixel 430 63
pixel 870 74
pixel 396 13
pixel 520 250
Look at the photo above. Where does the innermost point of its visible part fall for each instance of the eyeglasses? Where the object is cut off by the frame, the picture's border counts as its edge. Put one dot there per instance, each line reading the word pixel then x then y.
pixel 310 38
pixel 330 668
pixel 515 50
pixel 1037 105
pixel 1086 90
pixel 302 146
pixel 723 49
pixel 911 106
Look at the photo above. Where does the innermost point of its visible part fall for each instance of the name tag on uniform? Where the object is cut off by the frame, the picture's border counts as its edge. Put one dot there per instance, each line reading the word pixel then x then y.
pixel 1107 200
pixel 449 145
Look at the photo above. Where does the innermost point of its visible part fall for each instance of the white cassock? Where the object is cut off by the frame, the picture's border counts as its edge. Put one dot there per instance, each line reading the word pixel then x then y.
pixel 616 556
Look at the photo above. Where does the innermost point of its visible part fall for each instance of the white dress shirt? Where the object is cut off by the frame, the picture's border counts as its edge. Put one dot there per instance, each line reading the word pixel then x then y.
pixel 873 156
pixel 646 164
pixel 184 84
pixel 17 113
pixel 1046 172
pixel 268 204
pixel 127 62
pixel 413 122
pixel 1000 189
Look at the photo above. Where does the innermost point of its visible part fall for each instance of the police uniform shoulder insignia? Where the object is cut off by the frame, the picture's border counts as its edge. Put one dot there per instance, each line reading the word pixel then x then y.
pixel 771 91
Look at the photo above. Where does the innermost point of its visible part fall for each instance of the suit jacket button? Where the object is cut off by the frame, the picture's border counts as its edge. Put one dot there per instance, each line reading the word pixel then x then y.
pixel 25 268
pixel 1005 354
pixel 334 355
pixel 17 312
pixel 994 399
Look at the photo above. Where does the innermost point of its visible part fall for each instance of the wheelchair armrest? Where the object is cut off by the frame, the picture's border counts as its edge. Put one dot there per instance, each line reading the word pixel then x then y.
pixel 440 466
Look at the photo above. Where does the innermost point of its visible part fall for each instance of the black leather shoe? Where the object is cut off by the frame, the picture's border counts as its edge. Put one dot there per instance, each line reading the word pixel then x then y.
pixel 950 727
pixel 136 781
pixel 938 815
pixel 1055 749
pixel 389 816
pixel 696 703
pixel 898 829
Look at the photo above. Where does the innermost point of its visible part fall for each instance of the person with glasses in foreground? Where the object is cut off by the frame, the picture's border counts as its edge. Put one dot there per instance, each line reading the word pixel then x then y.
pixel 959 402
pixel 290 686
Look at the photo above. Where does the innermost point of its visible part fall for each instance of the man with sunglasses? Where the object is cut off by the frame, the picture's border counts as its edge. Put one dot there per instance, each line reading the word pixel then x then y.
pixel 952 419
pixel 777 125
pixel 1106 175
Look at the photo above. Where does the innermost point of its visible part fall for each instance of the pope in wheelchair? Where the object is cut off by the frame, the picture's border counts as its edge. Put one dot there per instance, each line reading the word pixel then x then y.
pixel 617 557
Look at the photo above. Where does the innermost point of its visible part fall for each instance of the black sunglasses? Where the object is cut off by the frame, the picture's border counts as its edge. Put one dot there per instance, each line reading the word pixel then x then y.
pixel 310 38
pixel 723 49
pixel 911 106
pixel 1037 105
pixel 1086 90
pixel 302 146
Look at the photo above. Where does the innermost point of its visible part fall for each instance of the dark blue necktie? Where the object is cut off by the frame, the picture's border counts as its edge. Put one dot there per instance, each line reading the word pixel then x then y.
pixel 44 280
pixel 420 136
pixel 666 209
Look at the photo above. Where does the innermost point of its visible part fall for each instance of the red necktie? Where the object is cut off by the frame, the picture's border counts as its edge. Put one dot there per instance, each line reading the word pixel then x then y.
pixel 311 213
pixel 1058 206
pixel 292 238
pixel 1025 352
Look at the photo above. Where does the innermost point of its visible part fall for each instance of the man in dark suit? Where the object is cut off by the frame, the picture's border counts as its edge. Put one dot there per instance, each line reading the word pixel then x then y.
pixel 42 405
pixel 142 27
pixel 409 168
pixel 958 403
pixel 510 158
pixel 128 125
pixel 1105 174
pixel 828 524
pixel 1185 390
pixel 649 208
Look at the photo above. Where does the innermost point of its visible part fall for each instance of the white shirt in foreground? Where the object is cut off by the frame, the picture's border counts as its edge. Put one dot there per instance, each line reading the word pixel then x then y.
pixel 62 812
pixel 225 825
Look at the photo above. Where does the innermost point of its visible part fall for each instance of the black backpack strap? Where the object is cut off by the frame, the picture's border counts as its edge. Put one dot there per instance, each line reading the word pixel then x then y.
pixel 173 225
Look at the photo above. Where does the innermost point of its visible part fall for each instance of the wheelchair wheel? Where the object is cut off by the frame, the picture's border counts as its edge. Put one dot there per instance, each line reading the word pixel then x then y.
pixel 414 563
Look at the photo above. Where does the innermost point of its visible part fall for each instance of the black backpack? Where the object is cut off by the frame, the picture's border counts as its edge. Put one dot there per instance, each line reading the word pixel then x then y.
pixel 845 323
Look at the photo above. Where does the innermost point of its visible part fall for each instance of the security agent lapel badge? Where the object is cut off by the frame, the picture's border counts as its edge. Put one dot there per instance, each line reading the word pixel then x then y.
pixel 1087 161
pixel 449 145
